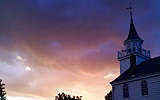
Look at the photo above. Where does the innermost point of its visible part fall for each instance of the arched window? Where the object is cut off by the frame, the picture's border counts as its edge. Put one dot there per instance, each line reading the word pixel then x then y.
pixel 125 91
pixel 144 88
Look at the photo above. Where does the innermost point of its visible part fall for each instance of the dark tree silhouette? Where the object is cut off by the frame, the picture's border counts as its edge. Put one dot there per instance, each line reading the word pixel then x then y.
pixel 63 96
pixel 109 96
pixel 2 91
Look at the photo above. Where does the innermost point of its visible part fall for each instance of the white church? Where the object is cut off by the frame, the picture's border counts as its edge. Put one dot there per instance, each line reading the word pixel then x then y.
pixel 139 73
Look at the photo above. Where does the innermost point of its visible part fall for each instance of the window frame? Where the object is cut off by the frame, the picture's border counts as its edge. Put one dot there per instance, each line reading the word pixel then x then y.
pixel 125 91
pixel 144 88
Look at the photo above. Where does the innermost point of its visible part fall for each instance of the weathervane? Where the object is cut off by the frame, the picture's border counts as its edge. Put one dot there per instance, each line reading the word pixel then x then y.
pixel 130 8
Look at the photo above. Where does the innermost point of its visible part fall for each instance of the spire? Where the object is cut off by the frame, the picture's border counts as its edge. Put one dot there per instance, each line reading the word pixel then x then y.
pixel 132 31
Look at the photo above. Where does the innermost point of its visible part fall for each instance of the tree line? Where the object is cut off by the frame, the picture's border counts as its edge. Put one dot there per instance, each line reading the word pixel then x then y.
pixel 60 96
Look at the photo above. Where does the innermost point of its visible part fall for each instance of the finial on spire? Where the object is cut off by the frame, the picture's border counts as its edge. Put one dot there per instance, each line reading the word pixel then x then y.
pixel 130 8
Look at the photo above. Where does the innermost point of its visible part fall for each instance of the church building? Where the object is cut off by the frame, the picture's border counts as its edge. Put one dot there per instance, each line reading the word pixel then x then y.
pixel 139 73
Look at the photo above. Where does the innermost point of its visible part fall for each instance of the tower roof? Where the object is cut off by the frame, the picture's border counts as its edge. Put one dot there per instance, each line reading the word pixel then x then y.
pixel 147 67
pixel 132 31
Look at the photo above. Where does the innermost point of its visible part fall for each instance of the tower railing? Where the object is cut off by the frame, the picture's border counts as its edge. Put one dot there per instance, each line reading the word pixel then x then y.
pixel 142 52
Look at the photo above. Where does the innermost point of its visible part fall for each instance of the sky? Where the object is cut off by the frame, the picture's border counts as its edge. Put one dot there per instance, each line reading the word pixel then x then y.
pixel 52 46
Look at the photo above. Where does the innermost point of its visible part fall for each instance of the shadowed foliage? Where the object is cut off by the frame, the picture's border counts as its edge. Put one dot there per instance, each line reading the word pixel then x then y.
pixel 63 96
pixel 2 91
pixel 109 96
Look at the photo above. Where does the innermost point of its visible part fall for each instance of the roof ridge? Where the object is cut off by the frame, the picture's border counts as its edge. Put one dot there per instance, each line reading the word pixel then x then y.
pixel 144 68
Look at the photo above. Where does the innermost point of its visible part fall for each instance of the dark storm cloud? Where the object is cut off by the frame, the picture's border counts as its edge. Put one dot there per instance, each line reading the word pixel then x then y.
pixel 34 26
pixel 54 29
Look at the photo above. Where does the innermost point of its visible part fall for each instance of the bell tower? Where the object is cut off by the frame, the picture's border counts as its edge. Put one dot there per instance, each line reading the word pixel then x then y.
pixel 133 46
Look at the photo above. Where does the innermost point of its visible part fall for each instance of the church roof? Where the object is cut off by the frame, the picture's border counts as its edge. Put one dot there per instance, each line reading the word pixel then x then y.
pixel 145 68
pixel 132 32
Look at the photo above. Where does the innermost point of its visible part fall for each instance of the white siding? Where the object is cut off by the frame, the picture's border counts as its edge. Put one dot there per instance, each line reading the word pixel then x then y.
pixel 124 65
pixel 135 90
pixel 139 60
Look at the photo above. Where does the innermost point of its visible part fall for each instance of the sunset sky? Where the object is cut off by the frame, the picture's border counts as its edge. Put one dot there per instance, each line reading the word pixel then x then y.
pixel 52 46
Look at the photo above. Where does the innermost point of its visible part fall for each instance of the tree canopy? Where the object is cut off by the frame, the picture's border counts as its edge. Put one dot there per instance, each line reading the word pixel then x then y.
pixel 2 91
pixel 63 96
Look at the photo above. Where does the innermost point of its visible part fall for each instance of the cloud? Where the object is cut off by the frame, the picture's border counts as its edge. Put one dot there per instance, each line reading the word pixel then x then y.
pixel 71 42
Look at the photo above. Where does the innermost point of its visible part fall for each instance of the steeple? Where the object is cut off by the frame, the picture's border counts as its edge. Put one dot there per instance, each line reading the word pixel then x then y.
pixel 132 31
pixel 133 47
